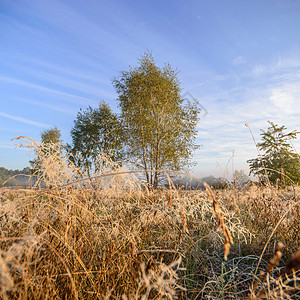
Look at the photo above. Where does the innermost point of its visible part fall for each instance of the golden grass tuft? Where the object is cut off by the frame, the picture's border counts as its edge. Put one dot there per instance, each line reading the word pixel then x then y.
pixel 68 237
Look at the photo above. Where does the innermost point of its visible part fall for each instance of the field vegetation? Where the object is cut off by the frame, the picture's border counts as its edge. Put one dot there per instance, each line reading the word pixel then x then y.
pixel 111 237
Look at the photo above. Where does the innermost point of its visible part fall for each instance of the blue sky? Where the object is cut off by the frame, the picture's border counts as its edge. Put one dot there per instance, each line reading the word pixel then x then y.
pixel 240 59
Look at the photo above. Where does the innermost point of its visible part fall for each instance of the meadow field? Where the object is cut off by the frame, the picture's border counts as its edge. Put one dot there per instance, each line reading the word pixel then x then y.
pixel 110 237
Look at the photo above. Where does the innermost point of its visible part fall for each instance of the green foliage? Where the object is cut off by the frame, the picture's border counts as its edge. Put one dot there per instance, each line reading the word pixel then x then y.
pixel 277 159
pixel 160 125
pixel 49 137
pixel 96 131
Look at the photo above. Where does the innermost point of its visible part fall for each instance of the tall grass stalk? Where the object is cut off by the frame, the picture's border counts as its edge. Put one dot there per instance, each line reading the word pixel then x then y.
pixel 109 237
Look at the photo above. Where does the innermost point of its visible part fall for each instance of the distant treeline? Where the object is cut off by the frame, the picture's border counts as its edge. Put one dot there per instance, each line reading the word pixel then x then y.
pixel 20 177
pixel 239 179
pixel 188 183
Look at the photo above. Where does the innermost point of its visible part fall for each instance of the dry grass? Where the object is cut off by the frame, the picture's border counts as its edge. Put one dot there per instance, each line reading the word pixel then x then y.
pixel 113 239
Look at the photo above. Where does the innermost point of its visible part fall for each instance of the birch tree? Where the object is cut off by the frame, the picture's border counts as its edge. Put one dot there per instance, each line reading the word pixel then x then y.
pixel 160 126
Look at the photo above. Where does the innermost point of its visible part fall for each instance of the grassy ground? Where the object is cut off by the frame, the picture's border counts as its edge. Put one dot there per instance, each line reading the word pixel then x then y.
pixel 113 239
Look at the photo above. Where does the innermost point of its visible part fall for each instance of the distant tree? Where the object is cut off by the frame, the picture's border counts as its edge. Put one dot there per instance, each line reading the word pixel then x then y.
pixel 240 178
pixel 96 131
pixel 216 183
pixel 50 144
pixel 51 135
pixel 277 160
pixel 160 125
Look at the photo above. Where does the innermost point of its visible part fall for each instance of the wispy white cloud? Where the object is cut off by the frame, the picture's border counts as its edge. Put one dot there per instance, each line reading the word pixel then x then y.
pixel 259 69
pixel 6 146
pixel 67 96
pixel 67 83
pixel 286 98
pixel 23 120
pixel 278 67
pixel 59 107
pixel 88 74
pixel 239 60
